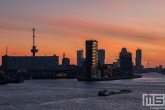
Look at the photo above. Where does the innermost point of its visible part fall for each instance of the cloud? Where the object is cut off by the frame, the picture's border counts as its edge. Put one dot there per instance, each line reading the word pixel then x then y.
pixel 73 27
pixel 84 29
pixel 108 30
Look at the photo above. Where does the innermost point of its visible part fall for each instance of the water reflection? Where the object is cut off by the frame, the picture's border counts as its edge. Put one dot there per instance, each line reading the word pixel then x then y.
pixel 72 94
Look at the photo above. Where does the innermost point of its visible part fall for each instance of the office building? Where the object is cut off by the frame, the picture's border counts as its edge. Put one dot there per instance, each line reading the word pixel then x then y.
pixel 65 61
pixel 125 62
pixel 106 70
pixel 29 62
pixel 138 60
pixel 101 56
pixel 36 67
pixel 91 62
pixel 79 57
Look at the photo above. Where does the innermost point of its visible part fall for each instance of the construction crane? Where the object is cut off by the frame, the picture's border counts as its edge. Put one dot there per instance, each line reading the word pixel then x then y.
pixel 148 65
pixel 116 58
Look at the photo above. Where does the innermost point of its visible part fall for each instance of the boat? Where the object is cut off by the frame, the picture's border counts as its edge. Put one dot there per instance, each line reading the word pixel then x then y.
pixel 107 79
pixel 103 93
pixel 125 90
pixel 5 79
pixel 107 93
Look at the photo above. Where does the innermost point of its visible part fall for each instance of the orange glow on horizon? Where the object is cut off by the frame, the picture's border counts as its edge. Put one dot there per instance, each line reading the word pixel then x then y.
pixel 64 27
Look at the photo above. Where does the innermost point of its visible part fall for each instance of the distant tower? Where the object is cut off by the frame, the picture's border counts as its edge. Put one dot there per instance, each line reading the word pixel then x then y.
pixel 6 50
pixel 125 58
pixel 64 55
pixel 65 61
pixel 148 64
pixel 34 50
pixel 138 60
pixel 101 56
pixel 79 57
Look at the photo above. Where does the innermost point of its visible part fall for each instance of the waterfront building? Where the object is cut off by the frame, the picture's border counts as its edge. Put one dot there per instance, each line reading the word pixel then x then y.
pixel 125 62
pixel 138 60
pixel 79 57
pixel 91 63
pixel 101 56
pixel 106 70
pixel 29 62
pixel 83 73
pixel 36 66
pixel 28 65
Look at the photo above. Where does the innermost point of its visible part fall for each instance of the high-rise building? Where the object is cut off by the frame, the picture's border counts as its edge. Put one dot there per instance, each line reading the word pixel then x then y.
pixel 91 63
pixel 65 61
pixel 138 60
pixel 79 57
pixel 125 62
pixel 118 63
pixel 101 56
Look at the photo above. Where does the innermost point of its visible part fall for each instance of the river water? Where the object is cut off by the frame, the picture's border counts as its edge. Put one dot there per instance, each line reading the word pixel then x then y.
pixel 70 94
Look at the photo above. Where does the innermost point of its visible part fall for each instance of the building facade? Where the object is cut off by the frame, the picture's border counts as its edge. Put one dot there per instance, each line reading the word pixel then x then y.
pixel 138 60
pixel 79 57
pixel 30 62
pixel 29 66
pixel 101 56
pixel 91 62
pixel 106 70
pixel 37 67
pixel 65 61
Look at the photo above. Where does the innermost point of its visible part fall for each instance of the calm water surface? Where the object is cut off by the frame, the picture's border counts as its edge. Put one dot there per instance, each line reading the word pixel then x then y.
pixel 70 94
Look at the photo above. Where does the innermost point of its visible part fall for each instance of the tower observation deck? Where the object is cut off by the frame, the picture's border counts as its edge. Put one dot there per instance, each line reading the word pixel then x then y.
pixel 34 50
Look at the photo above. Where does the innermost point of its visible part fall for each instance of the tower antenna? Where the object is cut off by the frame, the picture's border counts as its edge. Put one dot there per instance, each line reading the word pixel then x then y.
pixel 33 37
pixel 34 50
pixel 148 64
pixel 6 50
pixel 64 55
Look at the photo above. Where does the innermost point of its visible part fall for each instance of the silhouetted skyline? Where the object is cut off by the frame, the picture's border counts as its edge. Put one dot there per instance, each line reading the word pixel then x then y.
pixel 64 26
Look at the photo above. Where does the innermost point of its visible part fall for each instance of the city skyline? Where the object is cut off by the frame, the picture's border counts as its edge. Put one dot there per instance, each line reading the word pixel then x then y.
pixel 65 26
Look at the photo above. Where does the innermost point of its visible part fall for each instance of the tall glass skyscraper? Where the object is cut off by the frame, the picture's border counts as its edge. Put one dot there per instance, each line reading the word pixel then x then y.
pixel 91 65
pixel 79 57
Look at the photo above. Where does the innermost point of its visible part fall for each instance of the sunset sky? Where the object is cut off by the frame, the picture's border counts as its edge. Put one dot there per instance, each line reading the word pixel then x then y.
pixel 64 25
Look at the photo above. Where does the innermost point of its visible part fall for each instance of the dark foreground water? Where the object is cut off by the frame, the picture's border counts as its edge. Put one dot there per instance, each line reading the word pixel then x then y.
pixel 70 94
